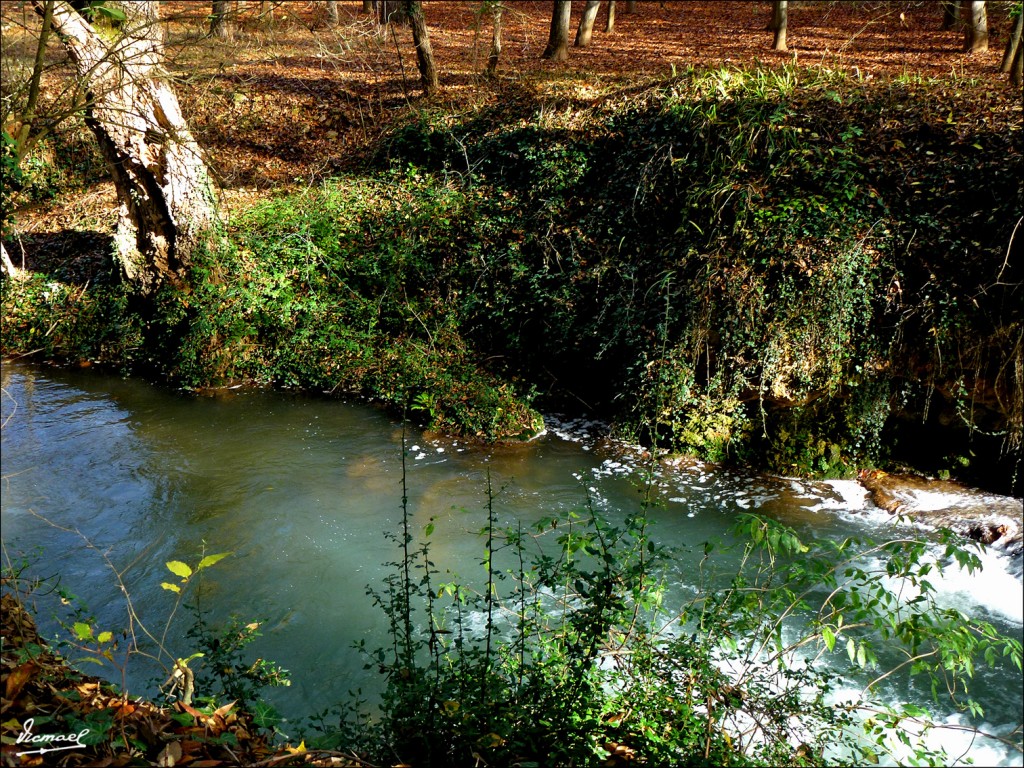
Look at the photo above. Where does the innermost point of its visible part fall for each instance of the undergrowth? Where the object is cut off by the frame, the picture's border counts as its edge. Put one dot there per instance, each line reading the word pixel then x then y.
pixel 806 271
pixel 573 647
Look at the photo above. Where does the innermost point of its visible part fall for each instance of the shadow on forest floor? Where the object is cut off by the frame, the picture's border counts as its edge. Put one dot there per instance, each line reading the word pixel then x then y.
pixel 72 255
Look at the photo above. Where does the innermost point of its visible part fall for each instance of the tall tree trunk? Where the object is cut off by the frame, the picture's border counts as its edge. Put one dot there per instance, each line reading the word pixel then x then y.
pixel 221 25
pixel 631 6
pixel 976 32
pixel 424 53
pixel 609 25
pixel 495 53
pixel 558 39
pixel 950 12
pixel 392 12
pixel 1016 68
pixel 586 28
pixel 369 6
pixel 332 12
pixel 168 207
pixel 26 137
pixel 780 22
pixel 1012 44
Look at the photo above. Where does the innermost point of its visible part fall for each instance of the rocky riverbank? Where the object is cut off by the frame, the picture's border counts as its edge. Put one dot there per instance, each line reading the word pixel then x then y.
pixel 996 521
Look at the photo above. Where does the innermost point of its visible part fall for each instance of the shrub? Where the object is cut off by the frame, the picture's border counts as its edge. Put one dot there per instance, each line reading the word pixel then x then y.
pixel 572 651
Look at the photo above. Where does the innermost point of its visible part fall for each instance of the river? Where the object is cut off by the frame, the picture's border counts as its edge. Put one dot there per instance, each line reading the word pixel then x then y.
pixel 102 473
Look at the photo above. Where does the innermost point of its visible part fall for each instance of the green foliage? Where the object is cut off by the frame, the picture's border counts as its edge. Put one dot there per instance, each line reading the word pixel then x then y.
pixel 98 9
pixel 750 265
pixel 224 669
pixel 10 179
pixel 221 670
pixel 65 321
pixel 570 649
pixel 227 671
pixel 351 289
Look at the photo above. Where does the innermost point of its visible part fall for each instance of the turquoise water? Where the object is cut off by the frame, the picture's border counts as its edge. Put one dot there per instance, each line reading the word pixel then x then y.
pixel 107 475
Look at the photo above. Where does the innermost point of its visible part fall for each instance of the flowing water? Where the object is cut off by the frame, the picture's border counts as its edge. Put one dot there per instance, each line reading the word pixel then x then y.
pixel 103 473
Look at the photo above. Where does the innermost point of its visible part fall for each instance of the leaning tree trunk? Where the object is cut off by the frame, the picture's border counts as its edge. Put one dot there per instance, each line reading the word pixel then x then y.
pixel 1012 44
pixel 6 265
pixel 609 25
pixel 168 207
pixel 558 39
pixel 976 32
pixel 586 28
pixel 424 52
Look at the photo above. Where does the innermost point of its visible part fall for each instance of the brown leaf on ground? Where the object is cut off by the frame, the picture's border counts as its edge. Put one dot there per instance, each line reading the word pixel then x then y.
pixel 294 99
pixel 17 678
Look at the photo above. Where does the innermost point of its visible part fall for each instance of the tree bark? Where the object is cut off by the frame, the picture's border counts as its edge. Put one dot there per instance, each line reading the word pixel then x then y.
pixel 26 137
pixel 495 53
pixel 392 12
pixel 976 32
pixel 424 52
pixel 631 6
pixel 780 22
pixel 950 12
pixel 1016 73
pixel 221 25
pixel 586 28
pixel 558 39
pixel 168 208
pixel 1012 45
pixel 7 266
pixel 609 25
pixel 332 12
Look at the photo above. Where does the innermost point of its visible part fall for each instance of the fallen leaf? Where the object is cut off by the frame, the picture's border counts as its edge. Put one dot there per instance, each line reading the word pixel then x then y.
pixel 18 678
pixel 169 755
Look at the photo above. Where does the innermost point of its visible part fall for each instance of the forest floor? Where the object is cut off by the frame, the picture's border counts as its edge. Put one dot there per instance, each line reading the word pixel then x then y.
pixel 292 99
pixel 335 90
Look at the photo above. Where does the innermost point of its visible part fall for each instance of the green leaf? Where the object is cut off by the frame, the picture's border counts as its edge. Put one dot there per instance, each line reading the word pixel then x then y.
pixel 912 710
pixel 82 631
pixel 172 587
pixel 105 637
pixel 207 561
pixel 429 529
pixel 851 649
pixel 829 637
pixel 862 659
pixel 179 568
pixel 115 14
